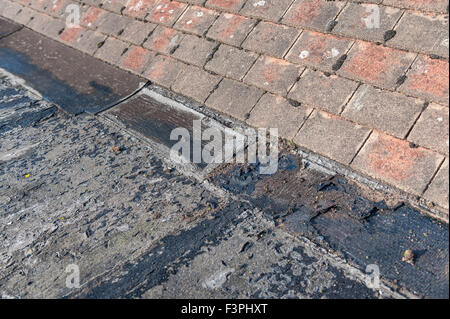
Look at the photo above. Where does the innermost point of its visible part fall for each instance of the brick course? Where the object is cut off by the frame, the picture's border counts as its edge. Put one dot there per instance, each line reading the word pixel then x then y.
pixel 428 79
pixel 271 39
pixel 431 130
pixel 231 62
pixel 376 64
pixel 389 112
pixel 273 75
pixel 331 136
pixel 326 92
pixel 274 111
pixel 231 29
pixel 234 98
pixel 397 162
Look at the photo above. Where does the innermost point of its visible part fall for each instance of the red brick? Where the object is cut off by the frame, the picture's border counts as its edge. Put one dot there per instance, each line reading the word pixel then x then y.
pixel 431 130
pixel 53 28
pixel 234 98
pixel 113 5
pixel 318 50
pixel 397 162
pixel 226 5
pixel 139 8
pixel 271 39
pixel 438 190
pixel 197 20
pixel 136 32
pixel 164 70
pixel 164 40
pixel 24 16
pixel 273 75
pixel 390 112
pixel 424 33
pixel 355 21
pixel 426 5
pixel 312 14
pixel 112 24
pixel 166 12
pixel 195 83
pixel 231 62
pixel 428 79
pixel 10 10
pixel 136 59
pixel 70 34
pixel 112 50
pixel 89 41
pixel 326 92
pixel 376 64
pixel 331 136
pixel 195 50
pixel 274 111
pixel 91 17
pixel 231 29
pixel 57 8
pixel 271 10
pixel 196 2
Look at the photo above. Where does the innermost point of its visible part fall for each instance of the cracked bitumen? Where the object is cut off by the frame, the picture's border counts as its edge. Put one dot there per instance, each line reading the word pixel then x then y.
pixel 81 190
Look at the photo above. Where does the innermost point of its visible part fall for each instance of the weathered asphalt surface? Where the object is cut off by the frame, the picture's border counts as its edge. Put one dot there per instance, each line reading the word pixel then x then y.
pixel 134 226
pixel 138 228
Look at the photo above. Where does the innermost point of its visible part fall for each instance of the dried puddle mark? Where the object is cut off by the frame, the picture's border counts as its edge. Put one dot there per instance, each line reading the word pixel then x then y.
pixel 76 82
pixel 336 214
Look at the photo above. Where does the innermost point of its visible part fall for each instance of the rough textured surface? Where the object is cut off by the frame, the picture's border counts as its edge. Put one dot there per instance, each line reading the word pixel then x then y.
pixel 271 111
pixel 234 98
pixel 323 91
pixel 273 75
pixel 425 33
pixel 76 82
pixel 354 21
pixel 389 112
pixel 83 191
pixel 405 166
pixel 231 62
pixel 396 46
pixel 438 190
pixel 385 68
pixel 428 79
pixel 431 129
